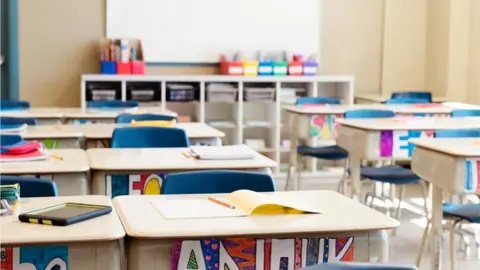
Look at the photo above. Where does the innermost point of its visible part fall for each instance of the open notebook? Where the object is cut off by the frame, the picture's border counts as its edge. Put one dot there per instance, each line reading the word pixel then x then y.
pixel 245 202
pixel 223 152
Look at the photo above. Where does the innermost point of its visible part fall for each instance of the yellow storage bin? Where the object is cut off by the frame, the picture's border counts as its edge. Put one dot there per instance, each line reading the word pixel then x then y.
pixel 250 68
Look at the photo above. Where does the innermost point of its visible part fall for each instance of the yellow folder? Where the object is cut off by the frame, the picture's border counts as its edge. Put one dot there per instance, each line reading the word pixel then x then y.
pixel 171 123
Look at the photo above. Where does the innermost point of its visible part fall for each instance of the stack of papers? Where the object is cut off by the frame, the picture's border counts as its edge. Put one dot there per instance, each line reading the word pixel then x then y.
pixel 223 152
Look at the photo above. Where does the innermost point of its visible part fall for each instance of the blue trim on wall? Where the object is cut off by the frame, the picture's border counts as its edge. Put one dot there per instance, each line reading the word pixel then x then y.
pixel 12 49
pixel 172 64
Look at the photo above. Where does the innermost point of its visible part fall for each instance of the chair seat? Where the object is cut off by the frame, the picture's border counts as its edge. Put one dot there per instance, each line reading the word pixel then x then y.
pixel 389 174
pixel 468 212
pixel 332 152
pixel 358 266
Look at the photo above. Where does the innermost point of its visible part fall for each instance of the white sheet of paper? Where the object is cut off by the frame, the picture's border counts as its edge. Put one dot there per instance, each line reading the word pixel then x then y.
pixel 194 208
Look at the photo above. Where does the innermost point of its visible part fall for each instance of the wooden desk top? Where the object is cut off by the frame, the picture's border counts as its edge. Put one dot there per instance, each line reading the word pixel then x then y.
pixel 342 108
pixel 193 130
pixel 79 113
pixel 53 132
pixel 102 228
pixel 417 123
pixel 340 214
pixel 379 98
pixel 36 112
pixel 462 147
pixel 147 159
pixel 74 160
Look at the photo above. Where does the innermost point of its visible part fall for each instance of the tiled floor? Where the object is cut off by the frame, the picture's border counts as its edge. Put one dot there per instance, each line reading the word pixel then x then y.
pixel 406 243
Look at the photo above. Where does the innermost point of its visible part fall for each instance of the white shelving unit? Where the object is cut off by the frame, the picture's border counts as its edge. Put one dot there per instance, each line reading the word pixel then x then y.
pixel 241 120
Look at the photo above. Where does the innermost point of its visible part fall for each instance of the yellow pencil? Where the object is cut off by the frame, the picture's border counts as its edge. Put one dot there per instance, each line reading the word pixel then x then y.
pixel 231 206
pixel 55 156
pixel 185 154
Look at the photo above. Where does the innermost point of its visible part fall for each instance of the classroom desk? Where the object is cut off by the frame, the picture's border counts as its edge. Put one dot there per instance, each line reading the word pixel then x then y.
pixel 315 125
pixel 82 116
pixel 140 171
pixel 444 163
pixel 44 116
pixel 70 174
pixel 92 244
pixel 379 98
pixel 198 133
pixel 387 139
pixel 355 232
pixel 56 136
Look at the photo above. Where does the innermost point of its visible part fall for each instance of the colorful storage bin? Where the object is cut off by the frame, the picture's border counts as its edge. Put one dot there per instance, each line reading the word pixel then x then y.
pixel 265 69
pixel 250 68
pixel 280 68
pixel 310 68
pixel 231 68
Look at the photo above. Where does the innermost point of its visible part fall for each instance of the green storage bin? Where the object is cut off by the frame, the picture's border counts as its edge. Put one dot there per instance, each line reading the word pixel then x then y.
pixel 280 68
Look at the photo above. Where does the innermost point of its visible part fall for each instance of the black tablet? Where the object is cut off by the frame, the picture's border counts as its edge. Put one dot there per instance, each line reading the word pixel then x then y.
pixel 64 214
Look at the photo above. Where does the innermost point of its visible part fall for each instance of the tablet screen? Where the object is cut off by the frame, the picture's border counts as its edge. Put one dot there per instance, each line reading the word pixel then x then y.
pixel 65 211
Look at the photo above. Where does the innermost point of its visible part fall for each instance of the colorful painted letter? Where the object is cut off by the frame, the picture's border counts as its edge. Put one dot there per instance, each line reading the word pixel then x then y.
pixel 259 254
pixel 34 258
pixel 124 184
pixel 323 126
pixel 394 143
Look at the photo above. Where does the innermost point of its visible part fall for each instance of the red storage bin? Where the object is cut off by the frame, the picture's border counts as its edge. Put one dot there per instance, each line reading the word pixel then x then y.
pixel 138 67
pixel 124 68
pixel 231 68
pixel 295 68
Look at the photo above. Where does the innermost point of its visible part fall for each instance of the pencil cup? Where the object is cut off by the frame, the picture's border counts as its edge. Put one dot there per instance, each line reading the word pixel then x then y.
pixel 231 68
pixel 250 68
pixel 138 67
pixel 310 68
pixel 265 69
pixel 124 68
pixel 280 68
pixel 295 68
pixel 108 67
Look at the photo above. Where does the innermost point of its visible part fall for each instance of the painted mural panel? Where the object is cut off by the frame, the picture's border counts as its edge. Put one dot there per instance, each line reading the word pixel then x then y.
pixel 324 127
pixel 259 254
pixel 34 258
pixel 134 184
pixel 394 143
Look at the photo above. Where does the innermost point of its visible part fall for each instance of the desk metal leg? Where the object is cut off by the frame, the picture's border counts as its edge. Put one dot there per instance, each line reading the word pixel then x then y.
pixel 293 151
pixel 437 228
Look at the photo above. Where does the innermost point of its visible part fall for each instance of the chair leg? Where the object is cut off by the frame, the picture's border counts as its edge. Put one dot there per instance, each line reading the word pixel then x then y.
pixel 300 161
pixel 425 238
pixel 452 244
pixel 399 206
pixel 341 188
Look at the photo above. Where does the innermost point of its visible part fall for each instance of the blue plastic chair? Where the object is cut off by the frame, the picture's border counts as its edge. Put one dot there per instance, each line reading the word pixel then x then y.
pixel 9 139
pixel 317 100
pixel 110 104
pixel 457 133
pixel 31 187
pixel 201 182
pixel 16 121
pixel 407 101
pixel 465 113
pixel 149 137
pixel 415 94
pixel 358 266
pixel 14 105
pixel 126 118
pixel 368 113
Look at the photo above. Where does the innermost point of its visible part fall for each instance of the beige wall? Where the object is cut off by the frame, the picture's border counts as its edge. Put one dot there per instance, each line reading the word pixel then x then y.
pixel 381 42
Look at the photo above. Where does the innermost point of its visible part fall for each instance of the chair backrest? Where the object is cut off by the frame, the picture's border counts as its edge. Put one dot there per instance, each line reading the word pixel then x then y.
pixel 14 105
pixel 358 266
pixel 126 118
pixel 317 100
pixel 367 113
pixel 149 137
pixel 218 181
pixel 31 187
pixel 12 121
pixel 465 113
pixel 414 94
pixel 112 104
pixel 407 101
pixel 9 139
pixel 457 133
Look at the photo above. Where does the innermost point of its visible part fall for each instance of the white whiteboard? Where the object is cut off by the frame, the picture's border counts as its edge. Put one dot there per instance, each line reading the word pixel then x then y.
pixel 198 31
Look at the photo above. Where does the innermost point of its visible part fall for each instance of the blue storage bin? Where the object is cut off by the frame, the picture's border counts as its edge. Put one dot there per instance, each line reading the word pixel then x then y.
pixel 108 67
pixel 265 69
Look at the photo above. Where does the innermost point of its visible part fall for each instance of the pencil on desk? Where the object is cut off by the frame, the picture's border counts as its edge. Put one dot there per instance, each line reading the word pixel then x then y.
pixel 231 206
pixel 55 156
pixel 185 154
